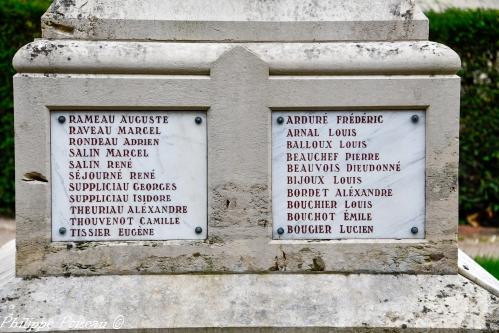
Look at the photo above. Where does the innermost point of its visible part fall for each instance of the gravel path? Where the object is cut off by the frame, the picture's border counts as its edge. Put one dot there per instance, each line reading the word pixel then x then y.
pixel 7 230
pixel 479 241
pixel 441 5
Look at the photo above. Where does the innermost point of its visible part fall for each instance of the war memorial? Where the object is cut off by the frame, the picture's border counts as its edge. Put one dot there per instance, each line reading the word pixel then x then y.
pixel 239 165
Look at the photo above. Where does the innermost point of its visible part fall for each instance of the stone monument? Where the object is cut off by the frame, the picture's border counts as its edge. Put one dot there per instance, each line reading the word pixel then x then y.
pixel 238 164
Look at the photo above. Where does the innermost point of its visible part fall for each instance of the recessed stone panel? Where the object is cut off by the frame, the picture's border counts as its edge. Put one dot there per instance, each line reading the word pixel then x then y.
pixel 348 174
pixel 125 175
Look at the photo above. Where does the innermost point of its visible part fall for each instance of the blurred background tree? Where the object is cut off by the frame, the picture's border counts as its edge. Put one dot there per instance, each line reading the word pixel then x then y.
pixel 474 35
pixel 19 24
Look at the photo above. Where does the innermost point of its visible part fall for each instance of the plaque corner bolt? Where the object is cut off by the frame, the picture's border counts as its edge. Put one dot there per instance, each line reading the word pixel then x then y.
pixel 61 119
pixel 62 230
pixel 280 230
pixel 280 120
pixel 198 230
pixel 414 118
pixel 414 230
pixel 198 120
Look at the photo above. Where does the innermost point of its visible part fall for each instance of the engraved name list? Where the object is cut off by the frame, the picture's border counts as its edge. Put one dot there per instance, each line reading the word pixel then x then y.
pixel 128 176
pixel 348 174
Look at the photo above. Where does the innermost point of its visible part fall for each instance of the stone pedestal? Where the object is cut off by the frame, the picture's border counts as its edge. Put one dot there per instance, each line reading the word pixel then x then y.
pixel 239 66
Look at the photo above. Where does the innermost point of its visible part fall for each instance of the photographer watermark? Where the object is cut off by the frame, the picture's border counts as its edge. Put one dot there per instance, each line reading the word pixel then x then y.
pixel 12 321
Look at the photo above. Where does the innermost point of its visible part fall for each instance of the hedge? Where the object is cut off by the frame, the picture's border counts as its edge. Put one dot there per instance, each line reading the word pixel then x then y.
pixel 19 24
pixel 473 34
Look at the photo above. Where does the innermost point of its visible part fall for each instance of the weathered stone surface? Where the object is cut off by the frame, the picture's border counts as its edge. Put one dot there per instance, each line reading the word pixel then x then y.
pixel 448 303
pixel 235 20
pixel 381 303
pixel 239 82
pixel 239 96
pixel 115 57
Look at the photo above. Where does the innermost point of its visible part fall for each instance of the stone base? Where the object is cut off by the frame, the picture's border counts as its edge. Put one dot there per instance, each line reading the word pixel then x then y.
pixel 267 302
pixel 271 302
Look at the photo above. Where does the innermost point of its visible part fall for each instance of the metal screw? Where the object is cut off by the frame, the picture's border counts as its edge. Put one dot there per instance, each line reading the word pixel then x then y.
pixel 198 120
pixel 280 120
pixel 61 119
pixel 414 230
pixel 198 230
pixel 415 118
pixel 62 230
pixel 280 231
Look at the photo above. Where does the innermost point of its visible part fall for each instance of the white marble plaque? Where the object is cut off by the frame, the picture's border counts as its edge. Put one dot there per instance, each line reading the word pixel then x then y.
pixel 348 174
pixel 128 175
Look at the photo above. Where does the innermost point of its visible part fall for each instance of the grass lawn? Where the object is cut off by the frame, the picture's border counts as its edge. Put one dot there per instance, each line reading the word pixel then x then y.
pixel 490 264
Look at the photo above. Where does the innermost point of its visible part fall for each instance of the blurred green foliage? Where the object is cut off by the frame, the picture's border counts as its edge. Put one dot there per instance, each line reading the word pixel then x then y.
pixel 474 35
pixel 19 24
